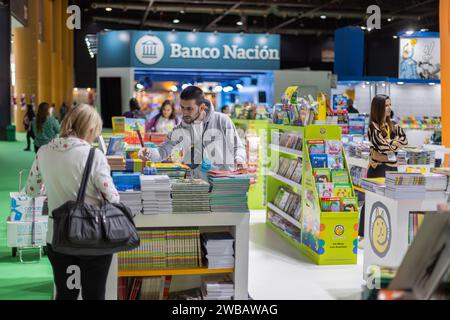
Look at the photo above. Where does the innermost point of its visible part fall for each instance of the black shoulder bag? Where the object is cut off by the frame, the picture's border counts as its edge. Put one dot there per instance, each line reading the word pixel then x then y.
pixel 81 229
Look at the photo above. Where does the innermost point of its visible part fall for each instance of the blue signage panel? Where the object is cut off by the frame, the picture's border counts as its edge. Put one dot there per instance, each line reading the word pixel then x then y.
pixel 188 50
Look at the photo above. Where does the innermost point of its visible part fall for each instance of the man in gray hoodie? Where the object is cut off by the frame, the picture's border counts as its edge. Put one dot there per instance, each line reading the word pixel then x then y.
pixel 209 139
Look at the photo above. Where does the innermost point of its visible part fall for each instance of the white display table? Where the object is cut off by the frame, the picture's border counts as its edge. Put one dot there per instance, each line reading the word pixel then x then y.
pixel 386 228
pixel 239 223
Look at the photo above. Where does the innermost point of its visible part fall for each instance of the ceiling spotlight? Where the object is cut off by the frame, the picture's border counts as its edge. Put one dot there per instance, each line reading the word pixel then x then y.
pixel 176 21
pixel 182 11
pixel 239 23
pixel 218 89
pixel 108 9
pixel 400 83
pixel 228 89
pixel 409 32
pixel 174 88
pixel 395 37
pixel 239 86
pixel 363 28
pixel 432 84
pixel 389 19
pixel 424 30
pixel 323 17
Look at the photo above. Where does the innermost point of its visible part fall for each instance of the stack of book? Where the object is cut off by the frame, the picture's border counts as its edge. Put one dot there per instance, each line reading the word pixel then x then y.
pixel 190 196
pixel 173 170
pixel 190 294
pixel 375 185
pixel 126 181
pixel 156 194
pixel 290 169
pixel 284 225
pixel 134 165
pixel 148 288
pixel 116 163
pixel 289 202
pixel 416 157
pixel 229 191
pixel 217 288
pixel 446 172
pixel 132 199
pixel 435 185
pixel 162 249
pixel 291 141
pixel 405 185
pixel 219 250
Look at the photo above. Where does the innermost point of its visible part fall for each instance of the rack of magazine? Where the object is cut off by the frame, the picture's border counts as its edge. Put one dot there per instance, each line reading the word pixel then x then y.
pixel 329 216
pixel 283 187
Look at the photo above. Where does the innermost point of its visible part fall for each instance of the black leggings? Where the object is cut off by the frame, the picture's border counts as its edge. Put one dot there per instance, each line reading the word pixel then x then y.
pixel 93 273
pixel 30 135
pixel 379 172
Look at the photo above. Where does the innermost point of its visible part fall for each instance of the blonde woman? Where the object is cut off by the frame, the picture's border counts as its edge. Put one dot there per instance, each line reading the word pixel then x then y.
pixel 57 172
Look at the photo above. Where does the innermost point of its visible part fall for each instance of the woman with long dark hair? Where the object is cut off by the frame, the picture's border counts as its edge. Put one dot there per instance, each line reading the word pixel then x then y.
pixel 165 121
pixel 386 138
pixel 27 120
pixel 45 127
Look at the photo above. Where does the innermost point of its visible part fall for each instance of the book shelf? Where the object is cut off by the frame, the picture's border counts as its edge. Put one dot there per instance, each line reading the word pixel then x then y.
pixel 328 238
pixel 239 228
pixel 258 129
pixel 276 181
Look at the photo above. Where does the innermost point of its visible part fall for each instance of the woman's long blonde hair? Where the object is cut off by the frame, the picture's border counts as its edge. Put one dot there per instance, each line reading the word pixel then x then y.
pixel 79 122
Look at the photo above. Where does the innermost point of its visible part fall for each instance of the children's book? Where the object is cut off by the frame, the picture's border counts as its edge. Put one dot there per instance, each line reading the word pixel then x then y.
pixel 292 166
pixel 331 204
pixel 316 146
pixel 349 204
pixel 342 190
pixel 319 160
pixel 333 147
pixel 325 190
pixel 116 146
pixel 339 176
pixel 322 175
pixel 335 162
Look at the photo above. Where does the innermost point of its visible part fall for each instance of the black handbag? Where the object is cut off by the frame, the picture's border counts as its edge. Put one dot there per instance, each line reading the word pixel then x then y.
pixel 81 229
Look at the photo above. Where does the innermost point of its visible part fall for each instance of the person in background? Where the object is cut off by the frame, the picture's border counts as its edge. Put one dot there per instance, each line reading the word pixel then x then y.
pixel 135 110
pixel 58 168
pixel 350 107
pixel 165 121
pixel 27 121
pixel 198 135
pixel 386 139
pixel 226 110
pixel 45 126
pixel 63 111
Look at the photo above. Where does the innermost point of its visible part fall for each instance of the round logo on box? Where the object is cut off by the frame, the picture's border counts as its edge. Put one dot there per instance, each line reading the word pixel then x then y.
pixel 149 49
pixel 339 230
pixel 380 229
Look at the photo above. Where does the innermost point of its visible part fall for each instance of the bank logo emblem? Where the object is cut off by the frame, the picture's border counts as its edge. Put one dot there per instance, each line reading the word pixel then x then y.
pixel 149 50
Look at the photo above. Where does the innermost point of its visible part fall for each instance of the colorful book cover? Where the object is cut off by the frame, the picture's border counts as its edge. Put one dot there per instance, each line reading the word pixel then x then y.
pixel 333 147
pixel 325 190
pixel 116 146
pixel 331 204
pixel 339 176
pixel 290 171
pixel 316 146
pixel 349 204
pixel 319 160
pixel 342 190
pixel 322 175
pixel 336 162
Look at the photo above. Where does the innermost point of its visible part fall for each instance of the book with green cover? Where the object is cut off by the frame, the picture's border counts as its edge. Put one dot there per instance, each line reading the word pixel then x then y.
pixel 349 204
pixel 343 190
pixel 322 175
pixel 339 176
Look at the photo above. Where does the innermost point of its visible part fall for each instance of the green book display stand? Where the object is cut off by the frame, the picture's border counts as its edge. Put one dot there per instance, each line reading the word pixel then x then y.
pixel 328 238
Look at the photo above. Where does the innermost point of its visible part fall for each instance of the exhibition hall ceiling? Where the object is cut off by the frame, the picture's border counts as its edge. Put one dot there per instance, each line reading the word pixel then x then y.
pixel 289 17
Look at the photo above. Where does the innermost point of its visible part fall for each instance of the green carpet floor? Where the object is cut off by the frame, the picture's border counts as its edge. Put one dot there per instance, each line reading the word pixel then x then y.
pixel 18 281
